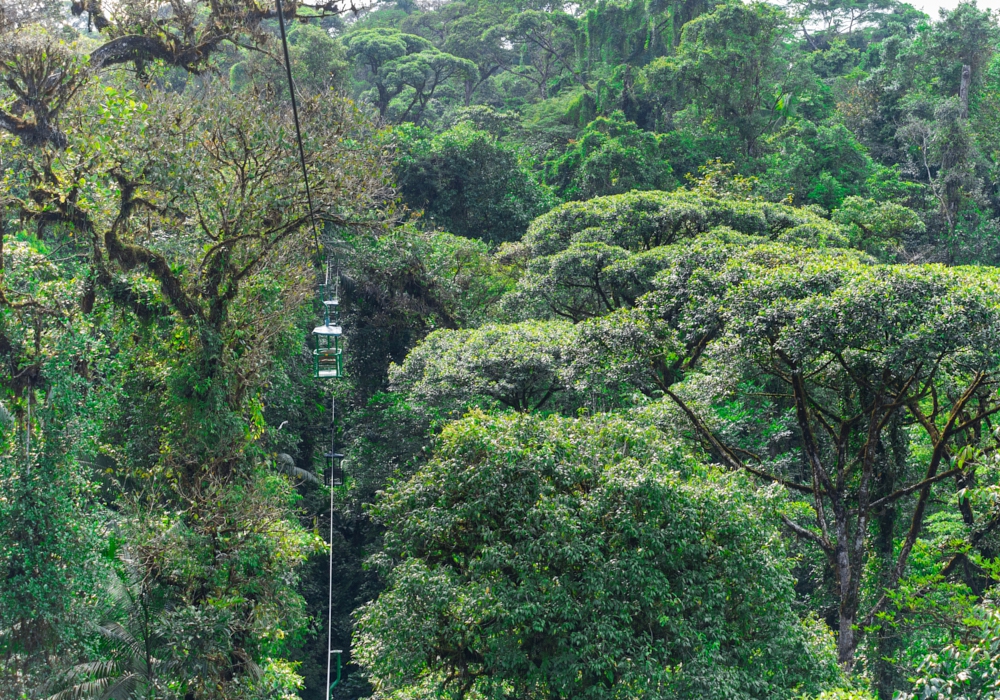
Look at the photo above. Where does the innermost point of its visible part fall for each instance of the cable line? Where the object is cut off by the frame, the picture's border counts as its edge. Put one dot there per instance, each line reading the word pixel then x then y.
pixel 327 357
pixel 295 116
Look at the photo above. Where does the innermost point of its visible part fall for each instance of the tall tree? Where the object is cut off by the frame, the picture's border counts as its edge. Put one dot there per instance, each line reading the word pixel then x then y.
pixel 406 66
pixel 730 63
pixel 547 46
pixel 581 557
pixel 187 224
pixel 850 353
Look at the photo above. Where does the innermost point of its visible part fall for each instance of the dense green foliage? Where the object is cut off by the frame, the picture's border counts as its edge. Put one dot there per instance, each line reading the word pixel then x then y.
pixel 670 347
pixel 611 156
pixel 583 558
pixel 469 184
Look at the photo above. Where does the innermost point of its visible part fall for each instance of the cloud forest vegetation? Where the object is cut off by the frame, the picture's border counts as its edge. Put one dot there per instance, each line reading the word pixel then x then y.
pixel 670 350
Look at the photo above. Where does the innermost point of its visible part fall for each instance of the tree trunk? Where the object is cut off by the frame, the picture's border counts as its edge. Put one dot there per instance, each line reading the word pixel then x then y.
pixel 963 90
pixel 383 99
pixel 847 585
pixel 886 673
pixel 845 636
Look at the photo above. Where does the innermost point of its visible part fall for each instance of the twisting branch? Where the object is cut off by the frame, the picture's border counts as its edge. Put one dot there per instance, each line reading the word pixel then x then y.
pixel 807 534
pixel 727 454
pixel 939 453
pixel 130 256
pixel 915 487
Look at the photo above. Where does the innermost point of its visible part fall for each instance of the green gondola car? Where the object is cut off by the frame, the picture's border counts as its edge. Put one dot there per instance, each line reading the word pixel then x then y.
pixel 328 362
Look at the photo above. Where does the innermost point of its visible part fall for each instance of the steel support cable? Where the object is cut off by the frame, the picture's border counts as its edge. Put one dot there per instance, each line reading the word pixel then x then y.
pixel 312 218
pixel 330 651
pixel 295 117
pixel 329 609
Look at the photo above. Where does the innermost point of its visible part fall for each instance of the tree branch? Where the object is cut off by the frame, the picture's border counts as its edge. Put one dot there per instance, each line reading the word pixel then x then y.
pixel 806 534
pixel 728 455
pixel 915 487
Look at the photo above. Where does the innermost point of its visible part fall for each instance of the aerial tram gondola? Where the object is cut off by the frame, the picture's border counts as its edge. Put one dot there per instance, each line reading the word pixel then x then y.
pixel 328 363
pixel 327 359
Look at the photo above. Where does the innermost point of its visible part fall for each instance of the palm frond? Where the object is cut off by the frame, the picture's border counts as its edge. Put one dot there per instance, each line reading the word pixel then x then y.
pixel 100 669
pixel 89 689
pixel 114 632
pixel 119 589
pixel 123 688
pixel 256 672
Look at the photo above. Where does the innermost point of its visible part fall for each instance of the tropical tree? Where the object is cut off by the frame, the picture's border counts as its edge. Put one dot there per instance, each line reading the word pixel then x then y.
pixel 470 183
pixel 642 221
pixel 611 156
pixel 185 237
pixel 546 43
pixel 590 258
pixel 585 558
pixel 405 66
pixel 842 355
pixel 520 366
pixel 730 65
pixel 471 38
pixel 136 665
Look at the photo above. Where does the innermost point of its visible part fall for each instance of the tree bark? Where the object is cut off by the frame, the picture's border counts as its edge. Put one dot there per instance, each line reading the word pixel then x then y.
pixel 845 637
pixel 32 134
pixel 126 49
pixel 963 90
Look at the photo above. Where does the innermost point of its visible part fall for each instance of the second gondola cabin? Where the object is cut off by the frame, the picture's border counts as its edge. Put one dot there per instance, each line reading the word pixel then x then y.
pixel 327 359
